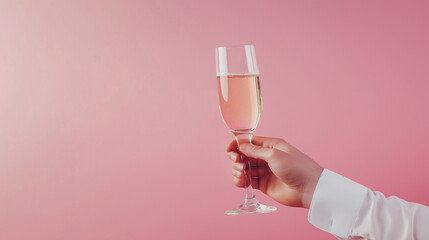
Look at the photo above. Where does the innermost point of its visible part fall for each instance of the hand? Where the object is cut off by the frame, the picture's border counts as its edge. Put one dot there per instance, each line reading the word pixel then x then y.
pixel 282 172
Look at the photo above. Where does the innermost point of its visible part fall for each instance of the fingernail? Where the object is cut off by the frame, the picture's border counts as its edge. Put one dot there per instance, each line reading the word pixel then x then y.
pixel 232 156
pixel 241 167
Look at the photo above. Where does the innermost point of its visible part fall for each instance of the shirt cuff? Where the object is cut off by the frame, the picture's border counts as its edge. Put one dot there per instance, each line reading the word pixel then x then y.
pixel 336 203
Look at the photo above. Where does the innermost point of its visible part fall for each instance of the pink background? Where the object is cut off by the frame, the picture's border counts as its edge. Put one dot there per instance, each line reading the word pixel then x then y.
pixel 109 123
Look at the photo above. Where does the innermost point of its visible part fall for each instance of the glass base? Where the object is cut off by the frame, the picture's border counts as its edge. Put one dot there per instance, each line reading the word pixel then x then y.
pixel 246 210
pixel 253 206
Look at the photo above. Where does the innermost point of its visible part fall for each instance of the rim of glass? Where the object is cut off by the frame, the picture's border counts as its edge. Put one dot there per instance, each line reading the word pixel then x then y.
pixel 235 46
pixel 255 70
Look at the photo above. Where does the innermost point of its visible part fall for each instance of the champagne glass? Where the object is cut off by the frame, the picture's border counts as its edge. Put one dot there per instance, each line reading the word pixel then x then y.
pixel 240 105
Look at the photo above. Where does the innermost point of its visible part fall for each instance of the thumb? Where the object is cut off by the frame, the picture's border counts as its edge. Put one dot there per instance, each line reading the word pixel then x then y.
pixel 257 152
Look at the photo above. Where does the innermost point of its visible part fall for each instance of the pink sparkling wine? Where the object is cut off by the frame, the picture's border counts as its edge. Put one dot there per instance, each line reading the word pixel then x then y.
pixel 240 101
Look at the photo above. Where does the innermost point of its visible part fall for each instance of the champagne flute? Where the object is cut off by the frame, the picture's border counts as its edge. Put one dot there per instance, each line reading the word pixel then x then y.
pixel 240 105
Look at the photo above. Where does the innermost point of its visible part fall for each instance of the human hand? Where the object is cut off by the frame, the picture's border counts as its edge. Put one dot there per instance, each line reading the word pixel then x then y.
pixel 282 172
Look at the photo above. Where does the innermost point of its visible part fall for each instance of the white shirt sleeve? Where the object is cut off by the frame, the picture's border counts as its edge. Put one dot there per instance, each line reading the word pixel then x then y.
pixel 349 210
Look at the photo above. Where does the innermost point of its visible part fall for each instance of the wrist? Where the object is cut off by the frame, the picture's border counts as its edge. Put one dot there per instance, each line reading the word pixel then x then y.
pixel 310 186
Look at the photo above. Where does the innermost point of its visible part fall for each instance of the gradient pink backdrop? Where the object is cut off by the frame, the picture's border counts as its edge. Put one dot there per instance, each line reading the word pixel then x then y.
pixel 110 129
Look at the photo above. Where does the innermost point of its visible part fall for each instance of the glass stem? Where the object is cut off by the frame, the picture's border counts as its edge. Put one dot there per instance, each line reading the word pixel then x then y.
pixel 249 195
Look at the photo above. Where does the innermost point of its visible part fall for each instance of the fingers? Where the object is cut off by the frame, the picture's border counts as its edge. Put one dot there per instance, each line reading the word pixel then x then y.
pixel 259 166
pixel 234 156
pixel 258 152
pixel 257 172
pixel 277 143
pixel 266 142
pixel 239 169
pixel 239 166
pixel 260 141
pixel 232 146
pixel 241 174
pixel 242 182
